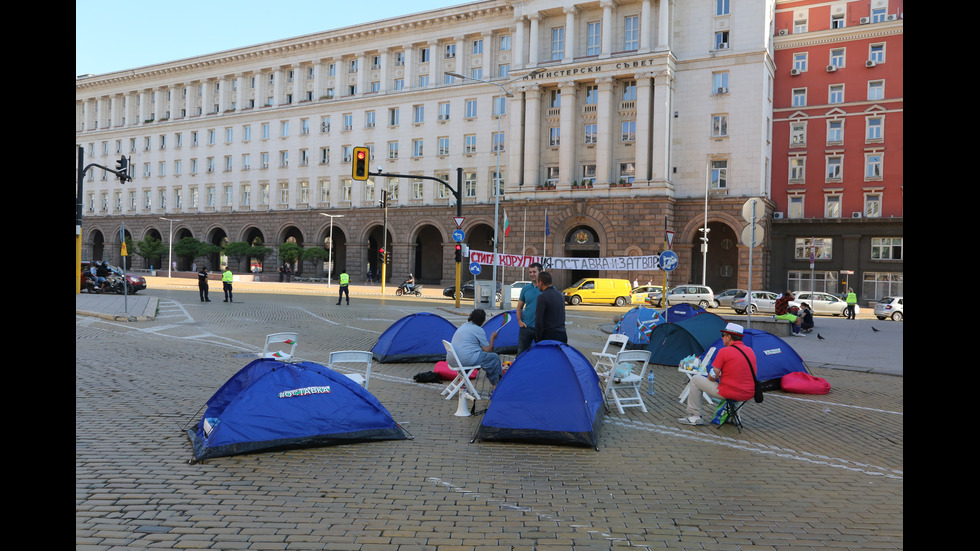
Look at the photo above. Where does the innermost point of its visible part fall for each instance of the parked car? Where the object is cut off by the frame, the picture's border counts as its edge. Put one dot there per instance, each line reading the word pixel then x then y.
pixel 697 295
pixel 762 301
pixel 515 290
pixel 639 294
pixel 889 307
pixel 467 288
pixel 598 290
pixel 822 303
pixel 724 298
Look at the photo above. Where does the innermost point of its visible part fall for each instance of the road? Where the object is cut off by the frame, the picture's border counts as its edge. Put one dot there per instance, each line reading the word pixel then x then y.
pixel 806 472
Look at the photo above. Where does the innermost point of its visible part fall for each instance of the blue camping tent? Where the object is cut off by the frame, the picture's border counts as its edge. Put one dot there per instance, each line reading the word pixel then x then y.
pixel 505 323
pixel 774 357
pixel 681 312
pixel 414 338
pixel 550 394
pixel 672 342
pixel 271 405
pixel 637 324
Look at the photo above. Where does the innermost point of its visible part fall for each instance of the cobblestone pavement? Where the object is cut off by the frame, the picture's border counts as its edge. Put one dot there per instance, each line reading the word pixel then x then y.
pixel 807 472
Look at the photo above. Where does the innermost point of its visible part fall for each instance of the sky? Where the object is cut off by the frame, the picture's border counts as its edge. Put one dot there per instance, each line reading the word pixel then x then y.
pixel 113 36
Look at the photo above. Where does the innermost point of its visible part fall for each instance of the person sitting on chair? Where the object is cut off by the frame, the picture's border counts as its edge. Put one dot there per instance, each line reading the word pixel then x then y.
pixel 783 313
pixel 473 348
pixel 729 378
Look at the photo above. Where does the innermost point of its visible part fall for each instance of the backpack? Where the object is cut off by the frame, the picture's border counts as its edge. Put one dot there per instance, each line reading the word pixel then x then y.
pixel 427 377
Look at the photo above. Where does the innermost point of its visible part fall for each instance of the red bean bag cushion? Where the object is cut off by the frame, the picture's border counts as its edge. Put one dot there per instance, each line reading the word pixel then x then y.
pixel 804 383
pixel 442 370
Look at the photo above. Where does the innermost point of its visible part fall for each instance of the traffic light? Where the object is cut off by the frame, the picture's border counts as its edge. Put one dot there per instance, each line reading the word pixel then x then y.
pixel 362 160
pixel 459 253
pixel 384 198
pixel 122 169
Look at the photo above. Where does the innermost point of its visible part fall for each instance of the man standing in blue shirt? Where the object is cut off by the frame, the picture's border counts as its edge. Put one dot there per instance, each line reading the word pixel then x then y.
pixel 526 306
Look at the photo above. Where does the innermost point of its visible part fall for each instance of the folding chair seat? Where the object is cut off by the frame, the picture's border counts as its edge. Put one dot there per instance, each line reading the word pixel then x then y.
pixel 732 417
pixel 462 373
pixel 623 381
pixel 605 360
pixel 353 357
pixel 277 339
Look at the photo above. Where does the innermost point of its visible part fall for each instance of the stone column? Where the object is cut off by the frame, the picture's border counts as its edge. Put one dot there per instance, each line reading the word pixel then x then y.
pixel 570 13
pixel 569 123
pixel 604 135
pixel 663 25
pixel 535 42
pixel 518 61
pixel 515 139
pixel 645 22
pixel 607 27
pixel 660 138
pixel 641 146
pixel 532 135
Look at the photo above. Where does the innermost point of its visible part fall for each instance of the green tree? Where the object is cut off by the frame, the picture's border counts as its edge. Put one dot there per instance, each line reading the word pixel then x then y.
pixel 239 250
pixel 188 248
pixel 316 255
pixel 289 252
pixel 151 249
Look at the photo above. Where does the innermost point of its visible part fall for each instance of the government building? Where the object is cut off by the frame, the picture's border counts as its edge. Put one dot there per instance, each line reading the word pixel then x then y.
pixel 587 129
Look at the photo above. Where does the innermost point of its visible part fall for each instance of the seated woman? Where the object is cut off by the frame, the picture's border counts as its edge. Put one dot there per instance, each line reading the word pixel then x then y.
pixel 473 347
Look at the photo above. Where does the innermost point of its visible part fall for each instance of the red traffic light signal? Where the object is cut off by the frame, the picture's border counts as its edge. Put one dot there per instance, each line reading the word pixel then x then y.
pixel 459 253
pixel 362 160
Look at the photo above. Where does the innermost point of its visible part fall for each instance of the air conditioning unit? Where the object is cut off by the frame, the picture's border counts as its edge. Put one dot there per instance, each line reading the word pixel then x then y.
pixel 891 17
pixel 870 63
pixel 794 72
pixel 721 91
pixel 865 20
pixel 831 68
pixel 856 214
pixel 723 46
pixel 778 215
pixel 783 32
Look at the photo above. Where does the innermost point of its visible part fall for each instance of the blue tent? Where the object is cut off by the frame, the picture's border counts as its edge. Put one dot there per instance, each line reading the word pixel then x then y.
pixel 505 323
pixel 550 394
pixel 637 324
pixel 774 357
pixel 414 338
pixel 681 312
pixel 672 342
pixel 271 405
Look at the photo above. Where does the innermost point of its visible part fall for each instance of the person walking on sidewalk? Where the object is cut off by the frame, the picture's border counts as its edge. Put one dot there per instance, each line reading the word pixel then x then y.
pixel 851 301
pixel 344 290
pixel 226 279
pixel 202 283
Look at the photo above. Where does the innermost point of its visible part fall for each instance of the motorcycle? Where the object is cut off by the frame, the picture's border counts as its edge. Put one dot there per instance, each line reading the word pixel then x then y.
pixel 403 290
pixel 88 284
pixel 114 284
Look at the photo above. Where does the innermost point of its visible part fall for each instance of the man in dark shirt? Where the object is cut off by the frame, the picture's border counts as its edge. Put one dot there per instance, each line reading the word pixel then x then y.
pixel 549 314
pixel 202 284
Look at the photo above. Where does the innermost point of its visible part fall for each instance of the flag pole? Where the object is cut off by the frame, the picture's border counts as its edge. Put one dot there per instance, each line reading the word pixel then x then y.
pixel 545 248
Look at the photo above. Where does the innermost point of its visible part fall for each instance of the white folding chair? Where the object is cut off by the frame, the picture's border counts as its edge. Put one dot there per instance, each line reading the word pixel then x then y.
pixel 623 381
pixel 606 359
pixel 702 368
pixel 353 357
pixel 462 373
pixel 275 340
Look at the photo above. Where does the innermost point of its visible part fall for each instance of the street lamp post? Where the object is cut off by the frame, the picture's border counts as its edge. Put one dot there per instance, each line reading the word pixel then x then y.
pixel 170 259
pixel 330 246
pixel 495 183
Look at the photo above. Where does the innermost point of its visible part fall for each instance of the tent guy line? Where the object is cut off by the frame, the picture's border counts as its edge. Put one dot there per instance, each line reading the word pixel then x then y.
pixel 822 402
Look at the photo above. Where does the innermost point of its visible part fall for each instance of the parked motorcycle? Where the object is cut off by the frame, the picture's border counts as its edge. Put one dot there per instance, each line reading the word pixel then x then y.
pixel 403 290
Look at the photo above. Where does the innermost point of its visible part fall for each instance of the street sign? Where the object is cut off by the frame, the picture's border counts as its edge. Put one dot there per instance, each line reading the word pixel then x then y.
pixel 475 268
pixel 458 236
pixel 747 209
pixel 746 237
pixel 670 240
pixel 668 261
pixel 458 220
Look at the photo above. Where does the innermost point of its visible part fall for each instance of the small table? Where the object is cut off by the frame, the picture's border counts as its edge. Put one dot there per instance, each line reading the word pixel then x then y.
pixel 701 369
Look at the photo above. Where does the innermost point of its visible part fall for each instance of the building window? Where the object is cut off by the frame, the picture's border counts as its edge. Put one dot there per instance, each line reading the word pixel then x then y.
pixel 591 94
pixel 629 131
pixel 392 150
pixel 324 155
pixel 873 132
pixel 478 46
pixel 553 175
pixel 719 126
pixel 797 134
pixel 393 116
pixel 629 90
pixel 470 109
pixel 499 106
pixel 369 120
pixel 593 38
pixel 443 145
pixel 591 133
pixel 835 131
pixel 795 207
pixel 719 174
pixel 876 53
pixel 417 148
pixel 836 94
pixel 418 114
pixel 498 141
pixel 345 190
pixel 627 172
pixel 505 43
pixel 557 43
pixel 469 143
pixel 588 174
pixel 886 248
pixel 799 61
pixel 721 40
pixel 872 205
pixel 554 136
pixel 876 90
pixel 722 7
pixel 417 189
pixel 837 21
pixel 631 33
pixel 834 164
pixel 797 170
pixel 799 97
pixel 831 206
pixel 503 70
pixel 837 57
pixel 444 111
pixel 719 82
pixel 246 195
pixel 469 184
pixel 877 285
pixel 872 166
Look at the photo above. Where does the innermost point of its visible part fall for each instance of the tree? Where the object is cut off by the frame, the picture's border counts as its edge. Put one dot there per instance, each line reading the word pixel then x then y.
pixel 150 248
pixel 188 248
pixel 239 250
pixel 289 252
pixel 316 255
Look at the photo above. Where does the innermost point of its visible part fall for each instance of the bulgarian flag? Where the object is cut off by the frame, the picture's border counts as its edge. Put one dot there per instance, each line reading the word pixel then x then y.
pixel 506 224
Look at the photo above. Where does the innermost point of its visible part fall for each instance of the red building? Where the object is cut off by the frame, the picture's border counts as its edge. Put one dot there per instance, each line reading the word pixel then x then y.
pixel 838 149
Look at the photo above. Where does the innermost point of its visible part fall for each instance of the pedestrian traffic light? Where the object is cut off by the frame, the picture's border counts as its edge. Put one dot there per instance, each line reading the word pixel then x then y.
pixel 459 253
pixel 388 258
pixel 362 160
pixel 384 198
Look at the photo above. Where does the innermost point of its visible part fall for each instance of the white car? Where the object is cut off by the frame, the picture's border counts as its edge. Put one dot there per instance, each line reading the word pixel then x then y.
pixel 889 307
pixel 762 301
pixel 515 290
pixel 822 303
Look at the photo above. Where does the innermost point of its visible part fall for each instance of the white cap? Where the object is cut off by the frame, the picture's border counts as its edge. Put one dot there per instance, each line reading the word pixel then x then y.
pixel 733 328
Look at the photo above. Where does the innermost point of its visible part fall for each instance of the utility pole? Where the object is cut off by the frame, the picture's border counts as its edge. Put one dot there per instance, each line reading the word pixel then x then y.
pixel 123 171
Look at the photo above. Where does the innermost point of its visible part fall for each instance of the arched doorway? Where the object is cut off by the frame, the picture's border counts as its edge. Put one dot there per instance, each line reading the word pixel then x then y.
pixel 379 245
pixel 581 242
pixel 337 250
pixel 722 267
pixel 218 238
pixel 255 238
pixel 183 264
pixel 295 237
pixel 427 264
pixel 98 245
pixel 154 261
